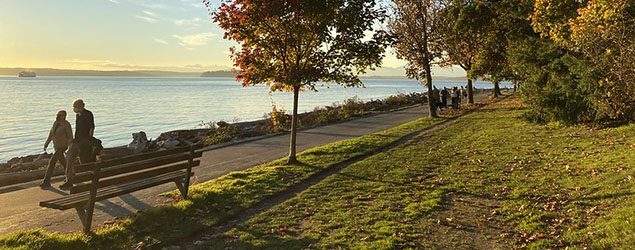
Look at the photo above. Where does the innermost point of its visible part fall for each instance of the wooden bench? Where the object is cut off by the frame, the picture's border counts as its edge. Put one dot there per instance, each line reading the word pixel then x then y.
pixel 106 179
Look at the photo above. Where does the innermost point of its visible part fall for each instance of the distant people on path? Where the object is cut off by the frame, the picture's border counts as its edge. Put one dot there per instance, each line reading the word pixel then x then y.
pixel 61 135
pixel 84 145
pixel 444 97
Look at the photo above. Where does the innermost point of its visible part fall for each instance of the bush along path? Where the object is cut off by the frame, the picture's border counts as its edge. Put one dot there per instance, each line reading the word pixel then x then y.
pixel 489 181
pixel 215 201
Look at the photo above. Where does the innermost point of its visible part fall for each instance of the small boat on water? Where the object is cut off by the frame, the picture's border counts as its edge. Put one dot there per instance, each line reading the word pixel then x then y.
pixel 26 74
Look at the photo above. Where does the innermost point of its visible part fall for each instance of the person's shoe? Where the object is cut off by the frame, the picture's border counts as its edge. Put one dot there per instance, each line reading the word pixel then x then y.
pixel 45 184
pixel 66 185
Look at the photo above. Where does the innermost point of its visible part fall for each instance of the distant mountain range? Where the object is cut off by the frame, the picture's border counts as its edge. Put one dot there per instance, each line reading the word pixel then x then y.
pixel 219 73
pixel 157 73
pixel 118 73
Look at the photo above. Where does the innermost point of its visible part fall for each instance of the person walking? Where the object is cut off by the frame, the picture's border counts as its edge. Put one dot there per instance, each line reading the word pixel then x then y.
pixel 82 145
pixel 455 98
pixel 436 98
pixel 61 135
pixel 464 93
pixel 444 97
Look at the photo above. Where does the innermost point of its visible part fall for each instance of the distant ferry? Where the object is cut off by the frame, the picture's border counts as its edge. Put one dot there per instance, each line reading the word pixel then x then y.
pixel 26 74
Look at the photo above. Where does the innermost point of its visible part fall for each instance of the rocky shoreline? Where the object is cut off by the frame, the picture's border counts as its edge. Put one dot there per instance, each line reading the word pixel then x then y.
pixel 140 144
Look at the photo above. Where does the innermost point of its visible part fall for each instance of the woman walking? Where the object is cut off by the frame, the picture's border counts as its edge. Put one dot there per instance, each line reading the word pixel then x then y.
pixel 61 134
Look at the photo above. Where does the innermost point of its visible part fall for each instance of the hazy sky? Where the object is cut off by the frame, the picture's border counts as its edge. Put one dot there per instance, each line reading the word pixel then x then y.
pixel 173 35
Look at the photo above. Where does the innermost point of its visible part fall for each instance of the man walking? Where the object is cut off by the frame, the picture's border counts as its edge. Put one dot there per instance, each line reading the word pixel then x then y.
pixel 444 97
pixel 435 98
pixel 464 93
pixel 82 145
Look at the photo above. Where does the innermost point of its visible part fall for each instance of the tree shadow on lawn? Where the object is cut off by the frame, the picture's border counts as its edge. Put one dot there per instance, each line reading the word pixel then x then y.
pixel 533 199
pixel 357 177
pixel 502 108
pixel 277 238
pixel 358 147
pixel 603 196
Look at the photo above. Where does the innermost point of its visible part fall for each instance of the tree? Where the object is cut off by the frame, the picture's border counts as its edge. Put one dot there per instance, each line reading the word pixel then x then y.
pixel 506 23
pixel 462 28
pixel 602 32
pixel 414 26
pixel 291 45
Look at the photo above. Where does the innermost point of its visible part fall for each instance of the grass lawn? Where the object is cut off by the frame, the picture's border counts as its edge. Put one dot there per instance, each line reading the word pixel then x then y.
pixel 491 180
pixel 214 201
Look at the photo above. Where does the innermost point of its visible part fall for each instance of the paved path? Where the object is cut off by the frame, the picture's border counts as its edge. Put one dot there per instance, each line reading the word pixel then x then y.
pixel 19 207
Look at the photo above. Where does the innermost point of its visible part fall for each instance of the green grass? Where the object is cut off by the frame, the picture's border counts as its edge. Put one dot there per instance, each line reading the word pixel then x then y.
pixel 214 201
pixel 526 185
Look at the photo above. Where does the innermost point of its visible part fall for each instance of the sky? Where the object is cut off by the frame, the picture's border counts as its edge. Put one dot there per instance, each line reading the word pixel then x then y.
pixel 174 35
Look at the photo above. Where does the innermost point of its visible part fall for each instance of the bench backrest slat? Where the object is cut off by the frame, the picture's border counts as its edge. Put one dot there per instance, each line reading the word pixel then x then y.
pixel 133 158
pixel 136 166
pixel 133 177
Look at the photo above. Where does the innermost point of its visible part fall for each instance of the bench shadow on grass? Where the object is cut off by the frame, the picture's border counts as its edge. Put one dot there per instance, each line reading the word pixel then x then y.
pixel 168 224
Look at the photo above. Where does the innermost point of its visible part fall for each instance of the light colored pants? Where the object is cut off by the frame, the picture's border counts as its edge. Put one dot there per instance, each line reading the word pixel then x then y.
pixel 57 156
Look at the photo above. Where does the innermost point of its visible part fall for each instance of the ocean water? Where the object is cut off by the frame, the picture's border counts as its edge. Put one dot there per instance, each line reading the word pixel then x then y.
pixel 123 106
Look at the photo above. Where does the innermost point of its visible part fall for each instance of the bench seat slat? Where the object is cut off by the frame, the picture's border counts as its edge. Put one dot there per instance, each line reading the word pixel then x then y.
pixel 135 166
pixel 58 203
pixel 75 200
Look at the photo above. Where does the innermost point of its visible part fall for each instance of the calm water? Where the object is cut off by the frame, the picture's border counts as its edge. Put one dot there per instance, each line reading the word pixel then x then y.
pixel 123 106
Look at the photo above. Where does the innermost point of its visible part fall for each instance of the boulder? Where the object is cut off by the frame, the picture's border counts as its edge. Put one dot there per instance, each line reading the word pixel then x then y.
pixel 170 143
pixel 139 142
pixel 30 162
pixel 222 124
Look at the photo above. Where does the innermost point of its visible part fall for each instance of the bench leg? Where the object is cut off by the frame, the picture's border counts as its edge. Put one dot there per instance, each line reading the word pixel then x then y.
pixel 182 189
pixel 85 214
pixel 90 208
pixel 81 212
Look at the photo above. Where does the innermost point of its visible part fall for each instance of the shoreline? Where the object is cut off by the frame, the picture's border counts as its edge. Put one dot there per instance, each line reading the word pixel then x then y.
pixel 223 132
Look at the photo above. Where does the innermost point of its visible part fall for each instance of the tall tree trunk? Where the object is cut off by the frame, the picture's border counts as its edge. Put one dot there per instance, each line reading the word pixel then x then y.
pixel 470 91
pixel 497 89
pixel 431 104
pixel 294 124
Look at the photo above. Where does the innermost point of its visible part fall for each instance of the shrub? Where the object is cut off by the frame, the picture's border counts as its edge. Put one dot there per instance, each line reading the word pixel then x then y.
pixel 221 134
pixel 280 120
pixel 397 100
pixel 353 107
pixel 328 115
